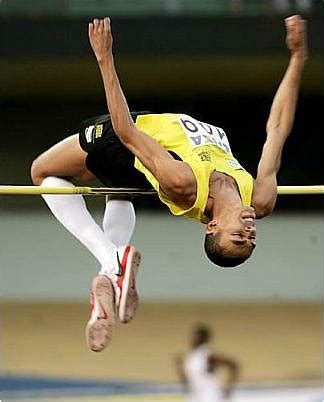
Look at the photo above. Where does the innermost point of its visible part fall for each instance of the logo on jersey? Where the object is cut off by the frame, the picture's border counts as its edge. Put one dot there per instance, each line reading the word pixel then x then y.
pixel 234 164
pixel 98 131
pixel 204 156
pixel 93 132
pixel 88 133
pixel 200 133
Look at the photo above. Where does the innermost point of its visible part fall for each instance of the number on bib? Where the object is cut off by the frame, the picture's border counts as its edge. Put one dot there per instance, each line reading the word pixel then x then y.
pixel 200 133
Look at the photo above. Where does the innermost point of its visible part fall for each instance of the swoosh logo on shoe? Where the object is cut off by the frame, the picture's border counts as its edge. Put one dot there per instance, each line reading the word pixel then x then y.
pixel 120 267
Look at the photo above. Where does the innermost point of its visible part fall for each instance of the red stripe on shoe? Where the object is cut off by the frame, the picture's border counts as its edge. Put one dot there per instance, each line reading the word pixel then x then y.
pixel 123 265
pixel 125 256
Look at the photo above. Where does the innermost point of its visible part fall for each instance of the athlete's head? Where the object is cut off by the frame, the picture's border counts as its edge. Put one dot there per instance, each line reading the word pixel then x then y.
pixel 231 239
pixel 200 335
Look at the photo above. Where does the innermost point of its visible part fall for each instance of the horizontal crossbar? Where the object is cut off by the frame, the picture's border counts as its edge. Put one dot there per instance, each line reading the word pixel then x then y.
pixel 287 190
pixel 38 190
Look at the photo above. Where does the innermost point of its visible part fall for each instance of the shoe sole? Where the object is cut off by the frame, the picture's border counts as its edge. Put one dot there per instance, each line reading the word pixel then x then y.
pixel 100 327
pixel 129 298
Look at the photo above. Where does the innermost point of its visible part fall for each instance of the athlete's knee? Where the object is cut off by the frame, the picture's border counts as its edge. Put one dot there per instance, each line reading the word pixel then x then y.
pixel 37 171
pixel 84 176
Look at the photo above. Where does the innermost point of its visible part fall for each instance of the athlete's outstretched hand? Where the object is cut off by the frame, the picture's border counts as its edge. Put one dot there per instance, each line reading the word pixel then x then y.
pixel 296 38
pixel 100 37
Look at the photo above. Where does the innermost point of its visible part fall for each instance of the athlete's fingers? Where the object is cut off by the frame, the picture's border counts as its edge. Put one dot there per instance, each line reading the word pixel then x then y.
pixel 95 24
pixel 292 28
pixel 90 28
pixel 100 26
pixel 302 26
pixel 293 19
pixel 107 24
pixel 291 23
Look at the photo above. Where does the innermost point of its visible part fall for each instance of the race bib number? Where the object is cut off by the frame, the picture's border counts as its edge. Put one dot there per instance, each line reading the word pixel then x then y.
pixel 200 133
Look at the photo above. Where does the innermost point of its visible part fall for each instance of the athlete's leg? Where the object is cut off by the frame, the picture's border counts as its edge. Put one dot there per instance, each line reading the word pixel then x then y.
pixel 119 220
pixel 67 160
pixel 64 159
pixel 118 224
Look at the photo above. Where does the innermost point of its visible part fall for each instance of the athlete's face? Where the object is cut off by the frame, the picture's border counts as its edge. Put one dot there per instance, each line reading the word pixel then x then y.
pixel 198 338
pixel 237 231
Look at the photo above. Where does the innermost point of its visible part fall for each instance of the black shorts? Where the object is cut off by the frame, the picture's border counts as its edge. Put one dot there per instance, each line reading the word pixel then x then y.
pixel 108 159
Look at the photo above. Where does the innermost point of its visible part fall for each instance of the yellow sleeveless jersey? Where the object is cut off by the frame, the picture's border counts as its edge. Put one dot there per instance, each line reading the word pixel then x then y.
pixel 205 148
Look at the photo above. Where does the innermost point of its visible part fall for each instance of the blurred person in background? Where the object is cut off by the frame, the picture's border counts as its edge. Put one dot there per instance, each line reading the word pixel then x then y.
pixel 188 162
pixel 198 371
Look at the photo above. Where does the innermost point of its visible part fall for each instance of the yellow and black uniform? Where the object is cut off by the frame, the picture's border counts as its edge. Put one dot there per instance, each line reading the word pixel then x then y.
pixel 107 158
pixel 204 147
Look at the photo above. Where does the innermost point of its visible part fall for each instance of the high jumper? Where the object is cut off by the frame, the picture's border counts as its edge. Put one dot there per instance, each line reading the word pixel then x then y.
pixel 188 162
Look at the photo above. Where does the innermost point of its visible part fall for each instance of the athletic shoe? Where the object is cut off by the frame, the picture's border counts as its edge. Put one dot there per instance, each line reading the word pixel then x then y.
pixel 128 259
pixel 103 314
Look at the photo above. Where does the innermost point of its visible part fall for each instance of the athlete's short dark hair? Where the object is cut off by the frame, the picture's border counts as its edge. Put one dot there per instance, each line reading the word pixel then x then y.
pixel 216 254
pixel 203 332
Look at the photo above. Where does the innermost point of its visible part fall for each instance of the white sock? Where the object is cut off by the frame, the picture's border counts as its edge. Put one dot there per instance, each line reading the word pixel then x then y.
pixel 119 222
pixel 72 212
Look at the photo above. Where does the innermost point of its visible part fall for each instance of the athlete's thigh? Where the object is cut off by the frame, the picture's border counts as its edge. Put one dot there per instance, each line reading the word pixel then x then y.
pixel 64 159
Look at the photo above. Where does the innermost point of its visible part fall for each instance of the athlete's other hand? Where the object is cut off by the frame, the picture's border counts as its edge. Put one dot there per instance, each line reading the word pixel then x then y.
pixel 296 38
pixel 100 37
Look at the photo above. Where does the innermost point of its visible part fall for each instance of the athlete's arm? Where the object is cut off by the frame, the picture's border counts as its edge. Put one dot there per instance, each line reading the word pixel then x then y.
pixel 216 361
pixel 172 175
pixel 280 119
